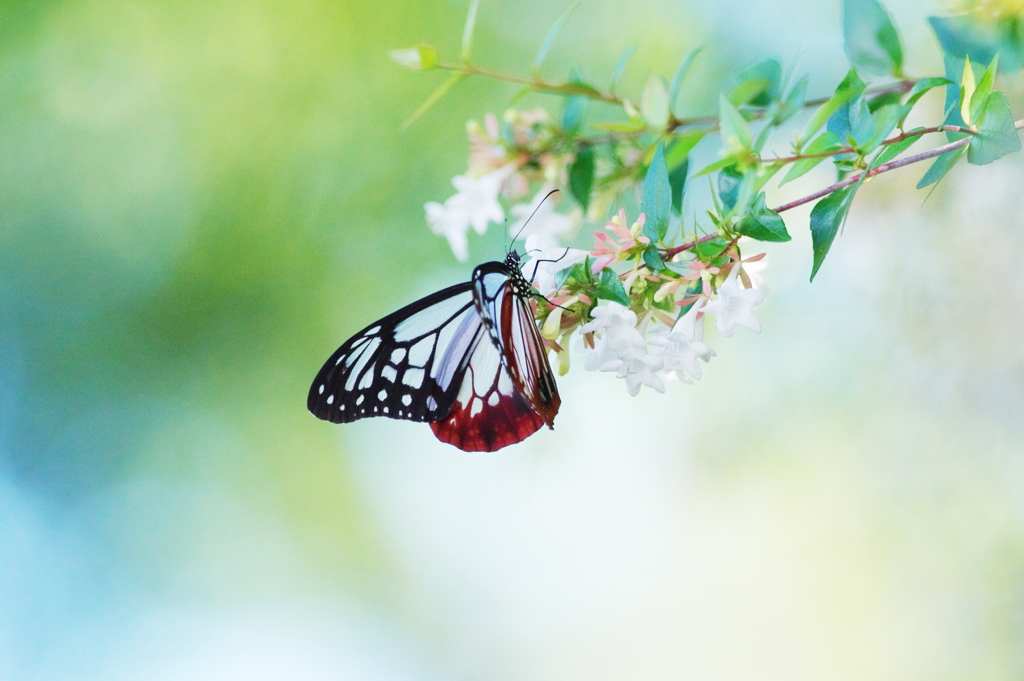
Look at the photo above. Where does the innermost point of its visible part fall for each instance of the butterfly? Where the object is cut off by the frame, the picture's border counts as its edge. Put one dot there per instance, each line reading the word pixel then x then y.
pixel 469 360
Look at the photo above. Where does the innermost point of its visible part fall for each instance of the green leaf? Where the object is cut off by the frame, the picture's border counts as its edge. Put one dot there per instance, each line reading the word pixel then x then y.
pixel 794 102
pixel 581 175
pixel 575 107
pixel 852 121
pixel 709 250
pixel 979 100
pixel 679 148
pixel 847 90
pixel 677 180
pixel 578 275
pixel 876 102
pixel 610 288
pixel 966 91
pixel 824 143
pixel 735 132
pixel 942 165
pixel 717 165
pixel 997 135
pixel 893 150
pixel 762 223
pixel 677 80
pixel 954 68
pixel 656 203
pixel 419 58
pixel 433 99
pixel 982 37
pixel 729 187
pixel 552 34
pixel 760 85
pixel 467 30
pixel 654 102
pixel 620 67
pixel 826 216
pixel 922 86
pixel 883 121
pixel 653 258
pixel 870 38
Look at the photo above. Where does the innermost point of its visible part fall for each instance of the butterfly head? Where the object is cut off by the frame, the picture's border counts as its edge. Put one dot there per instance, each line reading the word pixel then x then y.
pixel 512 259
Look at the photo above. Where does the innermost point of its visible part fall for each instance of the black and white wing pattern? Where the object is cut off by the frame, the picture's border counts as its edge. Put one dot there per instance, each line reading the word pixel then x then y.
pixel 409 365
pixel 468 359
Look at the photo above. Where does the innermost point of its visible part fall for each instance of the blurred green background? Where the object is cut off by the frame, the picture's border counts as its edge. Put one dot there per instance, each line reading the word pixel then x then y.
pixel 200 200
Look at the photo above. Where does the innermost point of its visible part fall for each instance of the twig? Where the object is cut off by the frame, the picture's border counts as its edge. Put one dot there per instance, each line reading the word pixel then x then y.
pixel 884 168
pixel 556 88
pixel 893 140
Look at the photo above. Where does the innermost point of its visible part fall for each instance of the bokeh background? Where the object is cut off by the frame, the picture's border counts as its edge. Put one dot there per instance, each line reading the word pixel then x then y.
pixel 200 200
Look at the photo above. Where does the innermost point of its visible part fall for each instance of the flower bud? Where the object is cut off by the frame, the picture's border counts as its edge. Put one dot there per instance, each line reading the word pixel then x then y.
pixel 419 58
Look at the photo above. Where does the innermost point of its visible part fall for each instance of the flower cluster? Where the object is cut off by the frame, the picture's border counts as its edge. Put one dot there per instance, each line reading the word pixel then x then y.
pixel 525 149
pixel 648 327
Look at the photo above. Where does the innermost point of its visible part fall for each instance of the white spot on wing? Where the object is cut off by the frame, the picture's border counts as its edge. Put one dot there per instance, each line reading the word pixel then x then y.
pixel 382 395
pixel 504 383
pixel 330 399
pixel 420 353
pixel 478 406
pixel 389 373
pixel 432 317
pixel 366 380
pixel 431 403
pixel 407 399
pixel 370 332
pixel 385 410
pixel 321 388
pixel 413 378
pixel 493 399
pixel 359 400
pixel 398 355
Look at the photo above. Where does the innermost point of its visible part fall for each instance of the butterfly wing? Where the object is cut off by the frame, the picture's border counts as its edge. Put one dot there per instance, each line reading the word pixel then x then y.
pixel 469 360
pixel 489 412
pixel 408 365
pixel 502 296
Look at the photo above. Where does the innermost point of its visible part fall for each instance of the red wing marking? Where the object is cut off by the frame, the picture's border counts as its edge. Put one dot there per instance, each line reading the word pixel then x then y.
pixel 489 412
pixel 527 358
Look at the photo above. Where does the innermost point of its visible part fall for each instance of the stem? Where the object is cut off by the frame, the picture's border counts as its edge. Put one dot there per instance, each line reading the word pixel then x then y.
pixel 902 86
pixel 670 252
pixel 884 168
pixel 561 89
pixel 894 140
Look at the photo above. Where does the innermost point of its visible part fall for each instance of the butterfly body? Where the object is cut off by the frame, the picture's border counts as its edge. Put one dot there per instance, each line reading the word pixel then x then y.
pixel 468 359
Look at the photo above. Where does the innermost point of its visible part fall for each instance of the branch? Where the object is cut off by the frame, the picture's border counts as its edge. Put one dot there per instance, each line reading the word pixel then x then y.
pixel 894 140
pixel 884 168
pixel 670 252
pixel 902 86
pixel 556 88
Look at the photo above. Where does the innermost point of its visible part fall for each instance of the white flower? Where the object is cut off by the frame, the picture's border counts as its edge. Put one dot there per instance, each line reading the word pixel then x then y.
pixel 475 204
pixel 683 345
pixel 735 306
pixel 544 264
pixel 608 315
pixel 545 223
pixel 753 271
pixel 621 348
pixel 450 221
pixel 478 197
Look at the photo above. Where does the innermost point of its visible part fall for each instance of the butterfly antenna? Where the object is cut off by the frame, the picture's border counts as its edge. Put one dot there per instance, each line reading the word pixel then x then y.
pixel 546 196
